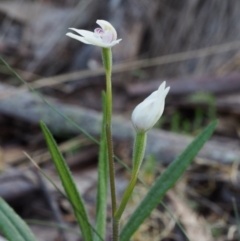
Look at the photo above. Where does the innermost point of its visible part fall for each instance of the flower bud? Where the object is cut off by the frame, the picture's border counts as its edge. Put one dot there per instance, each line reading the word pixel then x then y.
pixel 148 112
pixel 105 37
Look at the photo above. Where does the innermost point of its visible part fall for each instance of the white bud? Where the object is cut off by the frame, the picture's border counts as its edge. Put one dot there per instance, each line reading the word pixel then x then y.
pixel 148 112
pixel 105 37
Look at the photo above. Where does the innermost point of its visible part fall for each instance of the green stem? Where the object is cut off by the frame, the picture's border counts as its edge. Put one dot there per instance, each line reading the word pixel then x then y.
pixel 107 62
pixel 138 154
pixel 111 169
pixel 115 230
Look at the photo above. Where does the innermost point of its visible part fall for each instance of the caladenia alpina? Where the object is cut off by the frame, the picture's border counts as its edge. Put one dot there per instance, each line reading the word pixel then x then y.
pixel 144 117
pixel 105 37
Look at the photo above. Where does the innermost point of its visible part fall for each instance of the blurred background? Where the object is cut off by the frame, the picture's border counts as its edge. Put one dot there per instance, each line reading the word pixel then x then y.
pixel 194 45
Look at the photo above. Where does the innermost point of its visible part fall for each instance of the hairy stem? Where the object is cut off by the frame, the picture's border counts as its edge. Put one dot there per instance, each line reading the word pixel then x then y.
pixel 107 62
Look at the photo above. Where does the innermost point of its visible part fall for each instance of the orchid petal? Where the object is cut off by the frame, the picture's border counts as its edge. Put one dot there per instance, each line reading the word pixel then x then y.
pixel 107 26
pixel 77 37
pixel 85 33
pixel 107 37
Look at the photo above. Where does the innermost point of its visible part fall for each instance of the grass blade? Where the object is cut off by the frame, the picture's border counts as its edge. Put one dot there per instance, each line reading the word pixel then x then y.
pixel 52 225
pixel 12 226
pixel 164 183
pixel 101 209
pixel 69 185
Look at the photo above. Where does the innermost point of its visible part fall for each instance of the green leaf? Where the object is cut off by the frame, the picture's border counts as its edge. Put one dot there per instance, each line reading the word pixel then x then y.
pixel 69 185
pixel 164 183
pixel 12 226
pixel 101 210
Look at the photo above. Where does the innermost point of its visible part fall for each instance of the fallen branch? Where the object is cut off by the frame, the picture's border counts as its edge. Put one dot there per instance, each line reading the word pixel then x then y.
pixel 224 84
pixel 165 146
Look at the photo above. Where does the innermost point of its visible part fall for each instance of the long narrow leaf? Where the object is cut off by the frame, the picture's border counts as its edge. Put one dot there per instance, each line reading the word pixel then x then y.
pixel 164 183
pixel 12 226
pixel 69 185
pixel 101 210
pixel 59 190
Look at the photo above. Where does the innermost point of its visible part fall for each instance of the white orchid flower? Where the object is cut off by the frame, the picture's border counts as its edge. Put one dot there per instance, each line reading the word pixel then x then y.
pixel 105 37
pixel 148 112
